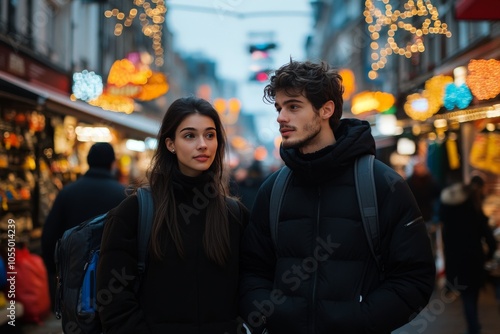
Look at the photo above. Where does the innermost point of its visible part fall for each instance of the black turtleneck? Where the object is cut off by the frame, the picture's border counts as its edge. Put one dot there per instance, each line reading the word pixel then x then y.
pixel 353 138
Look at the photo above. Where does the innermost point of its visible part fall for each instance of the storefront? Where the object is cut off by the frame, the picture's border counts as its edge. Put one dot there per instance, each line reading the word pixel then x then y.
pixel 45 140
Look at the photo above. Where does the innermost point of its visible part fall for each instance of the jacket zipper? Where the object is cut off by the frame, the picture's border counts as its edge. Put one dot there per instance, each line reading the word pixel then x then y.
pixel 315 273
pixel 413 222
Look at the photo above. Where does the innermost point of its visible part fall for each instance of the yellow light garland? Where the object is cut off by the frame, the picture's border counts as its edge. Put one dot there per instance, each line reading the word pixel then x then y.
pixel 391 21
pixel 151 19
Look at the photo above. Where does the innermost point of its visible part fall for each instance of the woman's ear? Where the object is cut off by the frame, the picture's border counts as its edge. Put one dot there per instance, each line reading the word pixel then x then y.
pixel 169 143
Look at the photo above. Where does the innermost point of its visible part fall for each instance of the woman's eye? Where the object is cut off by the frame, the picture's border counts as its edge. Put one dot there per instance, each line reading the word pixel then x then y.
pixel 210 135
pixel 188 135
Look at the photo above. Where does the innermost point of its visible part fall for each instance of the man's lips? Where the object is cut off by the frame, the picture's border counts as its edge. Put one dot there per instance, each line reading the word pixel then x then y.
pixel 285 131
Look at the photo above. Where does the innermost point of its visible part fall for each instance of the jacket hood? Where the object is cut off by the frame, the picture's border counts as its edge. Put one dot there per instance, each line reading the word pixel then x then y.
pixel 454 195
pixel 353 138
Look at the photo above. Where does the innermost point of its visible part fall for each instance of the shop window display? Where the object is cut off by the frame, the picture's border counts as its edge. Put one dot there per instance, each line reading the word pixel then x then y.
pixel 18 166
pixel 30 173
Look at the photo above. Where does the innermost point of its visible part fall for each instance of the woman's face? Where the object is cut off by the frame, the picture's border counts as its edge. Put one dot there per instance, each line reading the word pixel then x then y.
pixel 195 144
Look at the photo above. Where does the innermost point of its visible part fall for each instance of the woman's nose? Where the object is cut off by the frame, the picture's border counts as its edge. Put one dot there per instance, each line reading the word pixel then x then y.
pixel 202 144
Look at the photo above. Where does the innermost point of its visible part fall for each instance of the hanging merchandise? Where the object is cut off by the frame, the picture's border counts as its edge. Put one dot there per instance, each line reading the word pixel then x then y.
pixel 477 156
pixel 493 152
pixel 453 156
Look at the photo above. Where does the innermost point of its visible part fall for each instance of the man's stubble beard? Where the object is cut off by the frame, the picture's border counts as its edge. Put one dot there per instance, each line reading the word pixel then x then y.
pixel 312 130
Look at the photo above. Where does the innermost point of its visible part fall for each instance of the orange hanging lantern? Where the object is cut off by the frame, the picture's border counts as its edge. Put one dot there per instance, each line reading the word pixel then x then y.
pixel 483 78
pixel 155 87
pixel 124 72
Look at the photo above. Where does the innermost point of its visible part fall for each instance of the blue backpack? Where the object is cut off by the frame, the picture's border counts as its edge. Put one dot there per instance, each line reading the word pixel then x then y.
pixel 76 258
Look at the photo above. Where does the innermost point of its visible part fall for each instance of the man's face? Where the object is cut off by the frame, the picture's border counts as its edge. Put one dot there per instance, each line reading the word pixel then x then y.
pixel 300 124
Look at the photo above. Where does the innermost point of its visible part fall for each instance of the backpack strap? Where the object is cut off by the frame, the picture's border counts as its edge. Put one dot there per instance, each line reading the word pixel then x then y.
pixel 146 212
pixel 277 194
pixel 367 199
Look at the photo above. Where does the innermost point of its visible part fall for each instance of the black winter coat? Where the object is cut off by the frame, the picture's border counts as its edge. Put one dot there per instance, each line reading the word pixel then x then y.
pixel 323 278
pixel 181 296
pixel 92 194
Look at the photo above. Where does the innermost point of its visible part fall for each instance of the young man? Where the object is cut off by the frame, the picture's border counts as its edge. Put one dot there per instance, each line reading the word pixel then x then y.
pixel 321 277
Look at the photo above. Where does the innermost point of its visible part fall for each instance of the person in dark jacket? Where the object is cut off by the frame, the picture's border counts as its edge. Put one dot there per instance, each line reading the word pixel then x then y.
pixel 96 192
pixel 321 277
pixel 425 189
pixel 464 228
pixel 191 280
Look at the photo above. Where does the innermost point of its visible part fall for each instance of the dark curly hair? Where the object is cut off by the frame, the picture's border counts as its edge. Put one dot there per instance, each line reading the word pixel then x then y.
pixel 318 82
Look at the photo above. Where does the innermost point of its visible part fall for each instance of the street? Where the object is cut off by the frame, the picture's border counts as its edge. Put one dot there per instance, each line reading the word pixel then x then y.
pixel 443 315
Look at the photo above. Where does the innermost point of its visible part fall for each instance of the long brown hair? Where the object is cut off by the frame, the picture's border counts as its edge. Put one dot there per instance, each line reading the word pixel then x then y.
pixel 216 236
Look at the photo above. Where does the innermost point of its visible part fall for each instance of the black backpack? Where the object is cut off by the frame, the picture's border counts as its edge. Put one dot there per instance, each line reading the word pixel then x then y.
pixel 76 258
pixel 367 198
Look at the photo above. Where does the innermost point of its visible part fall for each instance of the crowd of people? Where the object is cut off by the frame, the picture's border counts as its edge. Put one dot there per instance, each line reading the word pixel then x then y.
pixel 214 263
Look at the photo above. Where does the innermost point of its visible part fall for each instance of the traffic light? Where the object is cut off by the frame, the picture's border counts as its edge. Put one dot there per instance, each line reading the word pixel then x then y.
pixel 260 76
pixel 261 61
pixel 262 47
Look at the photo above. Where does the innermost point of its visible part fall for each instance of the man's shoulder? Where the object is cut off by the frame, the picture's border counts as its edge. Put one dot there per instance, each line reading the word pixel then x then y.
pixel 382 170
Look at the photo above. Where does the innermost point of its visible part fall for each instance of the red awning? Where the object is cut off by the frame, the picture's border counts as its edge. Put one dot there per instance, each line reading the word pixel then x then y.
pixel 477 10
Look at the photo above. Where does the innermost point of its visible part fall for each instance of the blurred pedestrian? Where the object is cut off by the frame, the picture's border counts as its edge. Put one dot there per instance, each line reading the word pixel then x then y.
pixel 464 228
pixel 191 280
pixel 247 182
pixel 94 193
pixel 425 189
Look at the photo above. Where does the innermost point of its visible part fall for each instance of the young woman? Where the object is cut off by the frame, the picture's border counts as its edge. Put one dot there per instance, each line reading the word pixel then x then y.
pixel 191 278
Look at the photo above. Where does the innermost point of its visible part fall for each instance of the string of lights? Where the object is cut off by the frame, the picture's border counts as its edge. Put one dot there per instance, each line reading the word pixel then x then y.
pixel 151 20
pixel 388 21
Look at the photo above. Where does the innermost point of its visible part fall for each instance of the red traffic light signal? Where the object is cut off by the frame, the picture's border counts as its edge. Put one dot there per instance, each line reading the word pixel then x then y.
pixel 260 76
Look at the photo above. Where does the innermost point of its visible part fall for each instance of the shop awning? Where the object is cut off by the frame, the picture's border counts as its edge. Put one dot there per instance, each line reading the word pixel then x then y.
pixel 133 125
pixel 477 10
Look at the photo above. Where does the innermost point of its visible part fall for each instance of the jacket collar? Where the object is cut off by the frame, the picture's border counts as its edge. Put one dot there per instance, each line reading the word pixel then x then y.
pixel 353 138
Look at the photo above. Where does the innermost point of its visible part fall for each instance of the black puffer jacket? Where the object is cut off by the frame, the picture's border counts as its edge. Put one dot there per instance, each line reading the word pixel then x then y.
pixel 190 295
pixel 324 279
